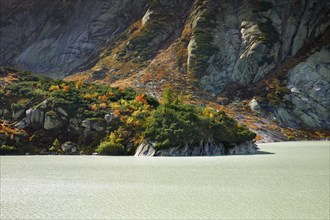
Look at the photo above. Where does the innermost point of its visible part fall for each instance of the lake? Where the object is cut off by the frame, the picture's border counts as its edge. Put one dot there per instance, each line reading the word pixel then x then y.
pixel 284 181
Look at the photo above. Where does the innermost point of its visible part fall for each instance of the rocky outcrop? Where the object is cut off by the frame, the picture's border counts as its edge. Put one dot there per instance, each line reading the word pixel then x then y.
pixel 252 37
pixel 308 102
pixel 248 147
pixel 204 149
pixel 145 149
pixel 69 148
pixel 93 124
pixel 254 105
pixel 52 121
pixel 18 114
pixel 34 117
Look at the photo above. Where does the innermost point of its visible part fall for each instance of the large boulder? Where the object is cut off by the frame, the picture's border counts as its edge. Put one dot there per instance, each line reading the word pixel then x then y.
pixel 52 121
pixel 62 111
pixel 109 117
pixel 145 149
pixel 18 113
pixel 93 124
pixel 34 116
pixel 254 105
pixel 69 148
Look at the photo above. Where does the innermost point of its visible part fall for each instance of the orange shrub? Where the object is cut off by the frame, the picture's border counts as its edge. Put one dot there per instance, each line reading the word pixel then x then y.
pixel 102 97
pixel 116 112
pixel 103 105
pixel 140 98
pixel 94 107
pixel 66 88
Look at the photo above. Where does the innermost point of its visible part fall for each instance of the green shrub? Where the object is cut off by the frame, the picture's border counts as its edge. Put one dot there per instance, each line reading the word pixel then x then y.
pixel 110 148
pixel 52 149
pixel 56 144
pixel 174 124
pixel 6 149
pixel 270 34
pixel 171 128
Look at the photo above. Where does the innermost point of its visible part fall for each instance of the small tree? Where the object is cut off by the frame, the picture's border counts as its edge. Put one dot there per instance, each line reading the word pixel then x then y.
pixel 79 84
pixel 179 99
pixel 56 144
pixel 167 98
pixel 111 146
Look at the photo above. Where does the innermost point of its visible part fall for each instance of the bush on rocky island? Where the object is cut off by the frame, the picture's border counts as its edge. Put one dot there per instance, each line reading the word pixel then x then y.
pixel 88 117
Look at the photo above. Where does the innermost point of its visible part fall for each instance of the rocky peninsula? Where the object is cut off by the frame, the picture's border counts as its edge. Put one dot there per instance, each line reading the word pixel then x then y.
pixel 41 115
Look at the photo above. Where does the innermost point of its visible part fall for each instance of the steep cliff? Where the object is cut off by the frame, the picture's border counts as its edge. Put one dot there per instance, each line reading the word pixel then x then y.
pixel 219 51
pixel 58 37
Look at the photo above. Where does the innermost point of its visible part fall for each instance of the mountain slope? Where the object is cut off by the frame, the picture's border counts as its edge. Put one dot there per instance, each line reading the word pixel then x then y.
pixel 216 52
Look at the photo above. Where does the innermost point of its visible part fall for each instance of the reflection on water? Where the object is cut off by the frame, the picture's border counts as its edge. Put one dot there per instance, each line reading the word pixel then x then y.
pixel 285 181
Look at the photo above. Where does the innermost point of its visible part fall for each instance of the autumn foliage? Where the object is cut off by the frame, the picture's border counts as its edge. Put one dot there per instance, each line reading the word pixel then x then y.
pixel 103 105
pixel 141 99
pixel 54 88
pixel 66 88
pixel 79 84
pixel 116 112
pixel 94 107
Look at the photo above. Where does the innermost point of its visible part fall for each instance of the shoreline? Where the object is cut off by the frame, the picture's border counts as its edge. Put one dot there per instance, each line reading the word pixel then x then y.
pixel 98 155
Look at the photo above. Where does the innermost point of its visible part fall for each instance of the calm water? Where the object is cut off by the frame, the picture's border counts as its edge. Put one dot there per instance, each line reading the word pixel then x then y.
pixel 291 183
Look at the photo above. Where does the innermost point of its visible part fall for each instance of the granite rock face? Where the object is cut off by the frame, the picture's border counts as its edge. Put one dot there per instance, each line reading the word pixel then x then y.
pixel 253 37
pixel 52 122
pixel 57 37
pixel 309 99
pixel 227 41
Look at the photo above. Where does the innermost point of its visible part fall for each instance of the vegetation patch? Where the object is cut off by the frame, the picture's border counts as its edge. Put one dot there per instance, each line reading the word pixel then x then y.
pixel 175 124
pixel 270 34
pixel 275 93
pixel 199 61
pixel 260 6
pixel 110 121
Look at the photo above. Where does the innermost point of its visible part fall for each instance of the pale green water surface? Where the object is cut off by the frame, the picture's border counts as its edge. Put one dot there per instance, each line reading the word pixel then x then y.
pixel 291 183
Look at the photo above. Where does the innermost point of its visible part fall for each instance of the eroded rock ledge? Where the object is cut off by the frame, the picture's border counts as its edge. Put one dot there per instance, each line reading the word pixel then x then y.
pixel 209 148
